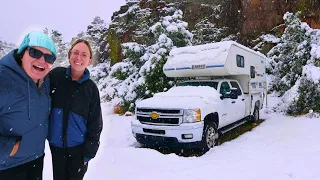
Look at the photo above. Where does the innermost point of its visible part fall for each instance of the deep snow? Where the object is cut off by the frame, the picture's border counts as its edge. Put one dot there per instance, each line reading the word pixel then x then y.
pixel 280 148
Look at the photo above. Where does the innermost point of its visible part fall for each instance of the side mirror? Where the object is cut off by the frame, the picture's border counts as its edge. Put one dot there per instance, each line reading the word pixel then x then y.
pixel 225 96
pixel 234 93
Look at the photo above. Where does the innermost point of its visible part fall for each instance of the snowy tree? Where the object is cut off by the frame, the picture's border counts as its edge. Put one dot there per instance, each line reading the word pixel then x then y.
pixel 153 69
pixel 207 32
pixel 80 35
pixel 5 48
pixel 123 84
pixel 308 98
pixel 46 31
pixel 296 67
pixel 291 54
pixel 97 29
pixel 134 78
pixel 61 48
pixel 308 93
pixel 97 33
pixel 171 32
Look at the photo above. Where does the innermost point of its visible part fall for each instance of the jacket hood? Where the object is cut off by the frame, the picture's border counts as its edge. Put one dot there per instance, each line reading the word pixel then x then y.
pixel 10 62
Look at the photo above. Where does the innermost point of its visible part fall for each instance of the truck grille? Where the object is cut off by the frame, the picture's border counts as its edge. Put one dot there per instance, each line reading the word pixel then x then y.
pixel 159 120
pixel 164 111
pixel 165 116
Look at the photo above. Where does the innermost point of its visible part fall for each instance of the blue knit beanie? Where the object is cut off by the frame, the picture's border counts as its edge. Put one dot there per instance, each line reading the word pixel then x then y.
pixel 37 38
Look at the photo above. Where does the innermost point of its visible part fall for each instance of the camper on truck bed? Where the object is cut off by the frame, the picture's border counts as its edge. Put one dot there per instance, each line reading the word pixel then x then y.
pixel 229 89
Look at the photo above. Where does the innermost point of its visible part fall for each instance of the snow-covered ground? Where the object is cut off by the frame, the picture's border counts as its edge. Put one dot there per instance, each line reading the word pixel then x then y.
pixel 280 148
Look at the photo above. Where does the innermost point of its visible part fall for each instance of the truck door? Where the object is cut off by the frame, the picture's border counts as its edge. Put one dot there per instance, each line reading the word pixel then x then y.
pixel 229 112
pixel 240 103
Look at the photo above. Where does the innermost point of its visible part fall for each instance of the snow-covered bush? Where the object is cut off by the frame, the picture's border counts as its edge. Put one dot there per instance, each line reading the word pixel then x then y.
pixel 296 69
pixel 291 54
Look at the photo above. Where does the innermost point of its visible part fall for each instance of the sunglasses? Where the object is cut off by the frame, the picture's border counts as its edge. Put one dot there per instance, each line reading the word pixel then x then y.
pixel 35 53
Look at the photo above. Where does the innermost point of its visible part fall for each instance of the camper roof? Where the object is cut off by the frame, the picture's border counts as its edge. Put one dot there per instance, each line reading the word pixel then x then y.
pixel 185 56
pixel 218 52
pixel 214 59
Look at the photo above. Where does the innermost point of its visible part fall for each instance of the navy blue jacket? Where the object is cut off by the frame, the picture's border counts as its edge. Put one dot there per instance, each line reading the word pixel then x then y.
pixel 24 114
pixel 75 117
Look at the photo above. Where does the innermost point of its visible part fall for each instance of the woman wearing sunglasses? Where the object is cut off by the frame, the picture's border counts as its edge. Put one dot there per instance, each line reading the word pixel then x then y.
pixel 75 120
pixel 25 107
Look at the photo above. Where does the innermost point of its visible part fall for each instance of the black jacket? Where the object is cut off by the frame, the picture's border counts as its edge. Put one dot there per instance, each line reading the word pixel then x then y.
pixel 75 117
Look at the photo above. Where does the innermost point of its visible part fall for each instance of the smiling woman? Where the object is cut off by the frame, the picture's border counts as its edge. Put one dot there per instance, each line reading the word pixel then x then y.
pixel 74 133
pixel 25 107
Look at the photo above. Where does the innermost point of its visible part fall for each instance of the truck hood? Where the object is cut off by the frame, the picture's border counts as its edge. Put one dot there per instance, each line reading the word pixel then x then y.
pixel 183 97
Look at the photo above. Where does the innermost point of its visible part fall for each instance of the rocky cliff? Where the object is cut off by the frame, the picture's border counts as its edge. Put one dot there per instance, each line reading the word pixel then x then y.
pixel 209 20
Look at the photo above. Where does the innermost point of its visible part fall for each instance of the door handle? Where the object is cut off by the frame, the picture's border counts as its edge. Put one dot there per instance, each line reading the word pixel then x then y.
pixel 242 99
pixel 233 102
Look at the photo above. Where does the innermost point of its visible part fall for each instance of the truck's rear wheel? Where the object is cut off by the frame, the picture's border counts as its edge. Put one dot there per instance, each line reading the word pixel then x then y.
pixel 255 116
pixel 210 136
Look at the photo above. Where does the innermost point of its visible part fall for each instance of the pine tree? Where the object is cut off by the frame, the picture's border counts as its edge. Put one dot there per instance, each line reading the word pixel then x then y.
pixel 97 33
pixel 171 32
pixel 61 48
pixel 308 98
pixel 291 54
pixel 123 85
pixel 296 67
pixel 207 32
pixel 140 74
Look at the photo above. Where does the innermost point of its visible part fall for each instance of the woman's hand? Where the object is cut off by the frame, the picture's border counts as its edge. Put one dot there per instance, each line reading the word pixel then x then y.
pixel 15 148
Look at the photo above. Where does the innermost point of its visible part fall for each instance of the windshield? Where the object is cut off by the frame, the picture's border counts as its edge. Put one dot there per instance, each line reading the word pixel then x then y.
pixel 200 83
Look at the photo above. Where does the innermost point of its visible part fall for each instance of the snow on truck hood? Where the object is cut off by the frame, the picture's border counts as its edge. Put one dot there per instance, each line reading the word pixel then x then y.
pixel 184 97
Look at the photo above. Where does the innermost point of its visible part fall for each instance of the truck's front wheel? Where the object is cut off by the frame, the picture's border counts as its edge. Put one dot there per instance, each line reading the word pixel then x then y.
pixel 210 136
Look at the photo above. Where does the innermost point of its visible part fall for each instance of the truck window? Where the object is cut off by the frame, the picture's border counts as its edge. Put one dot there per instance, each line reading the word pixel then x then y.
pixel 234 84
pixel 240 61
pixel 252 71
pixel 225 89
pixel 200 83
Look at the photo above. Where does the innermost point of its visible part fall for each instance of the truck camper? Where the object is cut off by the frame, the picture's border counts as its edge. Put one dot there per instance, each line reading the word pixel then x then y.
pixel 228 89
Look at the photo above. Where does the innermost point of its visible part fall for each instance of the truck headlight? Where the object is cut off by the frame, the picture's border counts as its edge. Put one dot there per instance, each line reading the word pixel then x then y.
pixel 191 115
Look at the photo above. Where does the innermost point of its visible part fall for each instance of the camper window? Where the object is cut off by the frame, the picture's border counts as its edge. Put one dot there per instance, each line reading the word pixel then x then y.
pixel 252 72
pixel 236 85
pixel 240 61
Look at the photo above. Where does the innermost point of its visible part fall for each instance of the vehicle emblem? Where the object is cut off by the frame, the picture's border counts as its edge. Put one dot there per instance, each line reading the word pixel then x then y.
pixel 154 115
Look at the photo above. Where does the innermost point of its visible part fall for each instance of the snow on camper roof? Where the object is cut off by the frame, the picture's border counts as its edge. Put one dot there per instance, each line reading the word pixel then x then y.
pixel 206 54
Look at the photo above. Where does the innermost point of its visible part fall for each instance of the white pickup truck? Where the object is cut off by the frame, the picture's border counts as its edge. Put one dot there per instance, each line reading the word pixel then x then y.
pixel 229 87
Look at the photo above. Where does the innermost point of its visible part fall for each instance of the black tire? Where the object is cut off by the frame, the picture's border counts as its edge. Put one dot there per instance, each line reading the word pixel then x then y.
pixel 210 136
pixel 256 115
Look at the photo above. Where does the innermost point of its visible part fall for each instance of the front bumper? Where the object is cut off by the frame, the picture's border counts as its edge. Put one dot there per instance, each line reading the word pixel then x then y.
pixel 167 135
